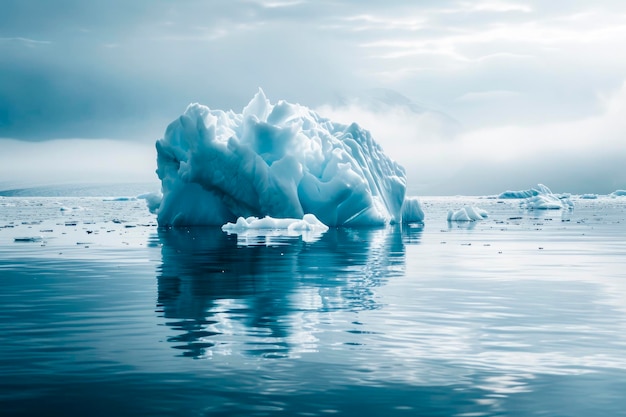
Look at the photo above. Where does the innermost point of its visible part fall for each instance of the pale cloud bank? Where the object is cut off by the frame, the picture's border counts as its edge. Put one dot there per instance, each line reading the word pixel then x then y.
pixel 577 156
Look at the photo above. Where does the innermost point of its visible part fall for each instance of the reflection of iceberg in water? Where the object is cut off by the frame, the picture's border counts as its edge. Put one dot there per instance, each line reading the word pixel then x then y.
pixel 220 297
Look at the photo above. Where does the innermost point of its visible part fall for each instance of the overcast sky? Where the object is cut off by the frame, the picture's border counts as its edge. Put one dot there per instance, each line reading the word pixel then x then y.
pixel 502 94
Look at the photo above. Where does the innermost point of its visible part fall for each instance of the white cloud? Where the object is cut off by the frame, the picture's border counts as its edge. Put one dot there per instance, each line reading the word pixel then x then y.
pixel 577 156
pixel 475 96
pixel 496 6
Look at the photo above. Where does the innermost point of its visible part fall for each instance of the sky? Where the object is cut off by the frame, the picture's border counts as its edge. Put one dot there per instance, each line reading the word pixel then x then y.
pixel 472 97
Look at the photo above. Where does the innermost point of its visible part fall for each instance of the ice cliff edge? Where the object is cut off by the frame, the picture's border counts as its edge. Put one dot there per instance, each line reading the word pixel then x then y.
pixel 281 160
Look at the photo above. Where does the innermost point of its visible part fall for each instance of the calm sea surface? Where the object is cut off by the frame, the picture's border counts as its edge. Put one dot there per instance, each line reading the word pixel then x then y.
pixel 104 314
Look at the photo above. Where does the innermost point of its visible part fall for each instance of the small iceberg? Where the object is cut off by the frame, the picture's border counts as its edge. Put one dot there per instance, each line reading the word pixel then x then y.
pixel 467 214
pixel 309 227
pixel 618 193
pixel 545 199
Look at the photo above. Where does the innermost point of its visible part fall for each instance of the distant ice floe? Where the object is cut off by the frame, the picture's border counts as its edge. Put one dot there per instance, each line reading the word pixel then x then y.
pixel 70 209
pixel 539 198
pixel 547 200
pixel 541 189
pixel 120 199
pixel 467 214
pixel 280 160
pixel 618 193
pixel 588 196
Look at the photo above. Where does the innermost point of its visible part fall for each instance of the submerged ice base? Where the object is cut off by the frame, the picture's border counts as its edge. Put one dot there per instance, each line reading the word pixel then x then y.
pixel 279 160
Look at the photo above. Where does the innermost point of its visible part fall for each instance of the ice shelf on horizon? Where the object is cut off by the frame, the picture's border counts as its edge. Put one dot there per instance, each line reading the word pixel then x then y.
pixel 280 160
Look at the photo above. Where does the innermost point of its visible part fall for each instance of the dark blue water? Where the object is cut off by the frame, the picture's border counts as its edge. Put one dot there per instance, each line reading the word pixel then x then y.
pixel 521 315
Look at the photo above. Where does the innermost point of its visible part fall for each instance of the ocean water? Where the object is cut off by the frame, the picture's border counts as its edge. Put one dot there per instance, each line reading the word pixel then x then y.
pixel 103 313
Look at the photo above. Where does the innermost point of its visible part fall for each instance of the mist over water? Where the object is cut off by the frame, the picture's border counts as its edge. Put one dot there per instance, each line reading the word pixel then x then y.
pixel 519 314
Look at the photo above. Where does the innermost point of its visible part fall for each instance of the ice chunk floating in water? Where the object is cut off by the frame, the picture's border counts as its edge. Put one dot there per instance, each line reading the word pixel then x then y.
pixel 280 160
pixel 309 227
pixel 540 198
pixel 308 223
pixel 467 214
pixel 546 200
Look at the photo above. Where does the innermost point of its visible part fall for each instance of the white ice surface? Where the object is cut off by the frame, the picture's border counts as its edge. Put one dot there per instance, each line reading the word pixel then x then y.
pixel 589 196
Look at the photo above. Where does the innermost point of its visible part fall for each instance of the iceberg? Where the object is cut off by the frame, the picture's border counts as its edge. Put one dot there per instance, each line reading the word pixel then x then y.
pixel 280 160
pixel 467 214
pixel 618 193
pixel 546 200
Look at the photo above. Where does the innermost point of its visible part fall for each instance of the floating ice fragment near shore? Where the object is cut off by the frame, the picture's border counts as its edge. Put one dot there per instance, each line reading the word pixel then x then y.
pixel 280 160
pixel 467 214
pixel 618 193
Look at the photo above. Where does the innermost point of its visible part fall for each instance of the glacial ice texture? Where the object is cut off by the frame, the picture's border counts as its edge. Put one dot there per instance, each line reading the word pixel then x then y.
pixel 280 160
